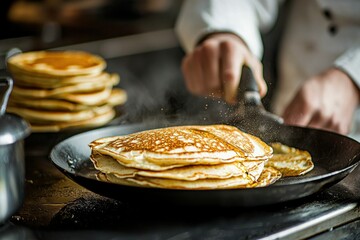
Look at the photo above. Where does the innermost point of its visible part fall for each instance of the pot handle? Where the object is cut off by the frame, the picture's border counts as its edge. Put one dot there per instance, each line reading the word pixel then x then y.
pixel 6 83
pixel 6 86
pixel 4 57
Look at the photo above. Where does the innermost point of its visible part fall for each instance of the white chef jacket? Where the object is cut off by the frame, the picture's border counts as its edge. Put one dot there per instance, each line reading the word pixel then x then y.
pixel 319 34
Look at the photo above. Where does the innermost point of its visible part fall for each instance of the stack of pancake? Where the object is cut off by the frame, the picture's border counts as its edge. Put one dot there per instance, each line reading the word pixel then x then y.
pixel 56 90
pixel 185 157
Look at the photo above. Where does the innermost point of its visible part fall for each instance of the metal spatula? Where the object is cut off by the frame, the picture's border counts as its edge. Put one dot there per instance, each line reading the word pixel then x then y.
pixel 250 114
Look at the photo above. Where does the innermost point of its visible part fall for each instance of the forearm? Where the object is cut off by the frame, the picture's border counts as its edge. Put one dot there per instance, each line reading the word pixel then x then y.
pixel 349 63
pixel 245 19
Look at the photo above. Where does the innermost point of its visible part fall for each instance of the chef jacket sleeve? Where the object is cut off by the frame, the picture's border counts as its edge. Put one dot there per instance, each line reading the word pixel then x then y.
pixel 245 18
pixel 349 62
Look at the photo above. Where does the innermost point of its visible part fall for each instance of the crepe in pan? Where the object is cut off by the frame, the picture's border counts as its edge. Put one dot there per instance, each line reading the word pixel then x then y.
pixel 195 158
pixel 166 148
pixel 290 161
pixel 246 169
pixel 267 177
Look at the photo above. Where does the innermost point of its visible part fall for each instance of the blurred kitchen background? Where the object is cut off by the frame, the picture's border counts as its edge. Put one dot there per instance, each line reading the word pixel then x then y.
pixel 136 38
pixel 51 23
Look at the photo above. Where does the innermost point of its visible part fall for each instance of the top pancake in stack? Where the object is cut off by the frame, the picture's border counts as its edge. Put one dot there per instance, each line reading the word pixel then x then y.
pixel 56 90
pixel 56 63
pixel 185 157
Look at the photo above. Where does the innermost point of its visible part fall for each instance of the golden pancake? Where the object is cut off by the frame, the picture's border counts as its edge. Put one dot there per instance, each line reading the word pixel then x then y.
pixel 181 146
pixel 107 164
pixel 251 146
pixel 247 169
pixel 38 116
pixel 52 82
pixel 76 88
pixel 290 161
pixel 117 97
pixel 46 104
pixel 90 98
pixel 112 179
pixel 267 177
pixel 195 158
pixel 56 63
pixel 97 121
pixel 56 90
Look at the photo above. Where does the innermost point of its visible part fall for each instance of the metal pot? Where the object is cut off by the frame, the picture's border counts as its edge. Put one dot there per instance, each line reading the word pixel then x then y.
pixel 13 130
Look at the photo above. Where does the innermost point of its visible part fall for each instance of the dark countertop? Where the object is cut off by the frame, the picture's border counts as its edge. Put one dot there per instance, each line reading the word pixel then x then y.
pixel 57 208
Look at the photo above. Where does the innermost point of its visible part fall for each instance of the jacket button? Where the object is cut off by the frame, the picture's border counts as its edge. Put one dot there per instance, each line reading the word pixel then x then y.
pixel 333 29
pixel 327 13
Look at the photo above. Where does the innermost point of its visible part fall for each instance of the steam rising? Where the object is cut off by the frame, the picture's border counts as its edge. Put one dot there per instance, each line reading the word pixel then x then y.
pixel 156 91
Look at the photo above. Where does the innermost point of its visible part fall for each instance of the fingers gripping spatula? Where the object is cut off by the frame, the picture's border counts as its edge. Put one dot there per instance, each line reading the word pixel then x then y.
pixel 250 114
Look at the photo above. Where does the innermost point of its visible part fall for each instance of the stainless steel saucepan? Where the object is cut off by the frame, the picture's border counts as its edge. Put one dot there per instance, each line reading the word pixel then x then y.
pixel 13 130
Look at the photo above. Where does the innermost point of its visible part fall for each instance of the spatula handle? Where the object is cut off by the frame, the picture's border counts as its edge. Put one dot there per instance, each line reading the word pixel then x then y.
pixel 248 82
pixel 248 90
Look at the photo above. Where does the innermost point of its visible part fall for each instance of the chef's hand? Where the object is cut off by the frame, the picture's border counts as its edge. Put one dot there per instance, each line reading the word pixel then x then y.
pixel 214 67
pixel 326 101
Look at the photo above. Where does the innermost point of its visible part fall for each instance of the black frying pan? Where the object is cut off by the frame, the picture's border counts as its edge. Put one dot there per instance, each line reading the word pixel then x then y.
pixel 334 156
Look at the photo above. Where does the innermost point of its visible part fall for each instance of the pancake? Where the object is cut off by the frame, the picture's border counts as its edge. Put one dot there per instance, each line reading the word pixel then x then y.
pixel 46 104
pixel 107 164
pixel 85 87
pixel 112 179
pixel 195 158
pixel 38 116
pixel 56 63
pixel 52 82
pixel 96 121
pixel 268 176
pixel 90 98
pixel 252 147
pixel 57 90
pixel 117 97
pixel 171 147
pixel 290 161
pixel 87 98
